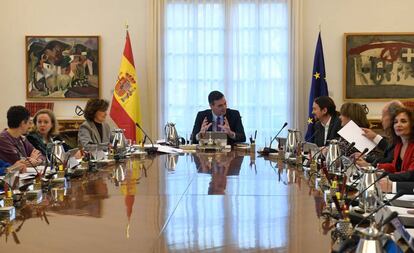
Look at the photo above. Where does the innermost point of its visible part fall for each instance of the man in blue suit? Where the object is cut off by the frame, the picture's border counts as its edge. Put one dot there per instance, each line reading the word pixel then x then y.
pixel 219 118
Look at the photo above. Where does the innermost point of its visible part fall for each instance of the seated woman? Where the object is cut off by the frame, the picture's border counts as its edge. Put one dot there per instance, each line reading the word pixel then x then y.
pixel 358 114
pixel 14 145
pixel 403 137
pixel 355 112
pixel 45 131
pixel 94 130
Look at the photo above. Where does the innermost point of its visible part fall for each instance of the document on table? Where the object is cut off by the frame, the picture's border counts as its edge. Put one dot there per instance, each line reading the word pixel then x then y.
pixel 351 132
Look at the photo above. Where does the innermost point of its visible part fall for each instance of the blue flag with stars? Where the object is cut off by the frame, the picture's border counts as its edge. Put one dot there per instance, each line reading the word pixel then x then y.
pixel 319 87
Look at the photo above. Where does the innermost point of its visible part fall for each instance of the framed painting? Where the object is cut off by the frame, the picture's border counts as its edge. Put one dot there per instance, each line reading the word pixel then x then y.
pixel 378 66
pixel 62 67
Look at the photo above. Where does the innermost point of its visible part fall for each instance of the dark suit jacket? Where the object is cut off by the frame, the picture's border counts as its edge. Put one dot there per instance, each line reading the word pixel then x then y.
pixel 235 123
pixel 405 181
pixel 319 130
pixel 406 187
pixel 385 157
pixel 402 177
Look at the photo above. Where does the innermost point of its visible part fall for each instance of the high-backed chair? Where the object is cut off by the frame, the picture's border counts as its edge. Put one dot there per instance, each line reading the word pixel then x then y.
pixel 33 107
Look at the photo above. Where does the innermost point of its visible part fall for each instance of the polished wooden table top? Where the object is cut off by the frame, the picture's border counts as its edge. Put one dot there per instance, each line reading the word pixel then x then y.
pixel 190 203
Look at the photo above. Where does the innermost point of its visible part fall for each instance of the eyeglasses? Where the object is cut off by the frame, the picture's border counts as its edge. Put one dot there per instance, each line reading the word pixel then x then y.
pixel 79 111
pixel 365 107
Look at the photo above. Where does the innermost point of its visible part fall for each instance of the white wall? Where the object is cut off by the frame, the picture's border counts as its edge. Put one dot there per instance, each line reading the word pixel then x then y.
pixel 340 16
pixel 105 18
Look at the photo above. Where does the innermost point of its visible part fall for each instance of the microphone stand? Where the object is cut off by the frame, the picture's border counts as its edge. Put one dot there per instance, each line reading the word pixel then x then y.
pixel 349 166
pixel 397 195
pixel 31 164
pixel 313 135
pixel 366 188
pixel 150 150
pixel 269 149
pixel 53 159
pixel 352 242
pixel 340 157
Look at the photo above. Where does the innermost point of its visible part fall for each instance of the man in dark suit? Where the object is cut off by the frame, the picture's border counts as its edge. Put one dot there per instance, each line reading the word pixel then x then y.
pixel 398 182
pixel 219 118
pixel 328 123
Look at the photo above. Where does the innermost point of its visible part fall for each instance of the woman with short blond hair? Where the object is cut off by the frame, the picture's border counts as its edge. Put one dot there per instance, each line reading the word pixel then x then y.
pixel 45 130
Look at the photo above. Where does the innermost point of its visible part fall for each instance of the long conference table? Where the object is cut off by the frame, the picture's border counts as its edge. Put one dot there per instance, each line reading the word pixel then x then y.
pixel 198 202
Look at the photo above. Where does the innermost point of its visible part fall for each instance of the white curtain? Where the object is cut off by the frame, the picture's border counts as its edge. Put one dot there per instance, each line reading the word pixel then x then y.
pixel 239 47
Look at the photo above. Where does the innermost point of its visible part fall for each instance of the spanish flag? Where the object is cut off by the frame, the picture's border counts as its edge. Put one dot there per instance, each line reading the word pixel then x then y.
pixel 125 108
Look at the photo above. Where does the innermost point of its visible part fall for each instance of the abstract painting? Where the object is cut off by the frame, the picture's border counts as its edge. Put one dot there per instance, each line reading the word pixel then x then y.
pixel 379 66
pixel 62 67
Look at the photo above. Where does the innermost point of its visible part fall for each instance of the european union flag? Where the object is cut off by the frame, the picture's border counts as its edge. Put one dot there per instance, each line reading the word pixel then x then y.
pixel 319 86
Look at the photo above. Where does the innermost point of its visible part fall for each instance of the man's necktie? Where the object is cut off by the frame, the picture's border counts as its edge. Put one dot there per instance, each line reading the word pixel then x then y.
pixel 219 123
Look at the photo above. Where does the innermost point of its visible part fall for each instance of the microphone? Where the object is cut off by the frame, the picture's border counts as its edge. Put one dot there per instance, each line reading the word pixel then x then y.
pixel 366 188
pixel 352 164
pixel 314 155
pixel 397 195
pixel 353 241
pixel 274 138
pixel 269 149
pixel 26 159
pixel 387 220
pixel 357 158
pixel 52 156
pixel 149 150
pixel 351 145
pixel 363 153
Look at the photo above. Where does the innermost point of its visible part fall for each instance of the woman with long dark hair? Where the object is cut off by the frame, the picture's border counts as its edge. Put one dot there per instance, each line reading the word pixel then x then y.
pixel 403 137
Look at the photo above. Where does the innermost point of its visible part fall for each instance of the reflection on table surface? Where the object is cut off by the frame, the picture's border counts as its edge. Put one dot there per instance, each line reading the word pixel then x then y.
pixel 201 202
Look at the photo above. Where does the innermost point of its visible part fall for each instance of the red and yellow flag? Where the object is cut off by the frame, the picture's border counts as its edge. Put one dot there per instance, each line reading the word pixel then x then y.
pixel 125 108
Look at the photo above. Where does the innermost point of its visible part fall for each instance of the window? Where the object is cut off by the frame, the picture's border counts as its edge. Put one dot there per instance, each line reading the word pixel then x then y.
pixel 238 47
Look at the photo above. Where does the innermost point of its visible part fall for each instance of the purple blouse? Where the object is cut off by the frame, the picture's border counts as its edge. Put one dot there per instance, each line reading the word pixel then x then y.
pixel 12 149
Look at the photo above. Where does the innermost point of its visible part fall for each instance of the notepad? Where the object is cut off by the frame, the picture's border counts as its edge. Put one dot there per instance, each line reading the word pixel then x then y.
pixel 351 132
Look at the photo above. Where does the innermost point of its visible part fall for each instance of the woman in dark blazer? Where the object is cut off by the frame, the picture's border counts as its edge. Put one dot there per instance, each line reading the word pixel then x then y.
pixel 45 131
